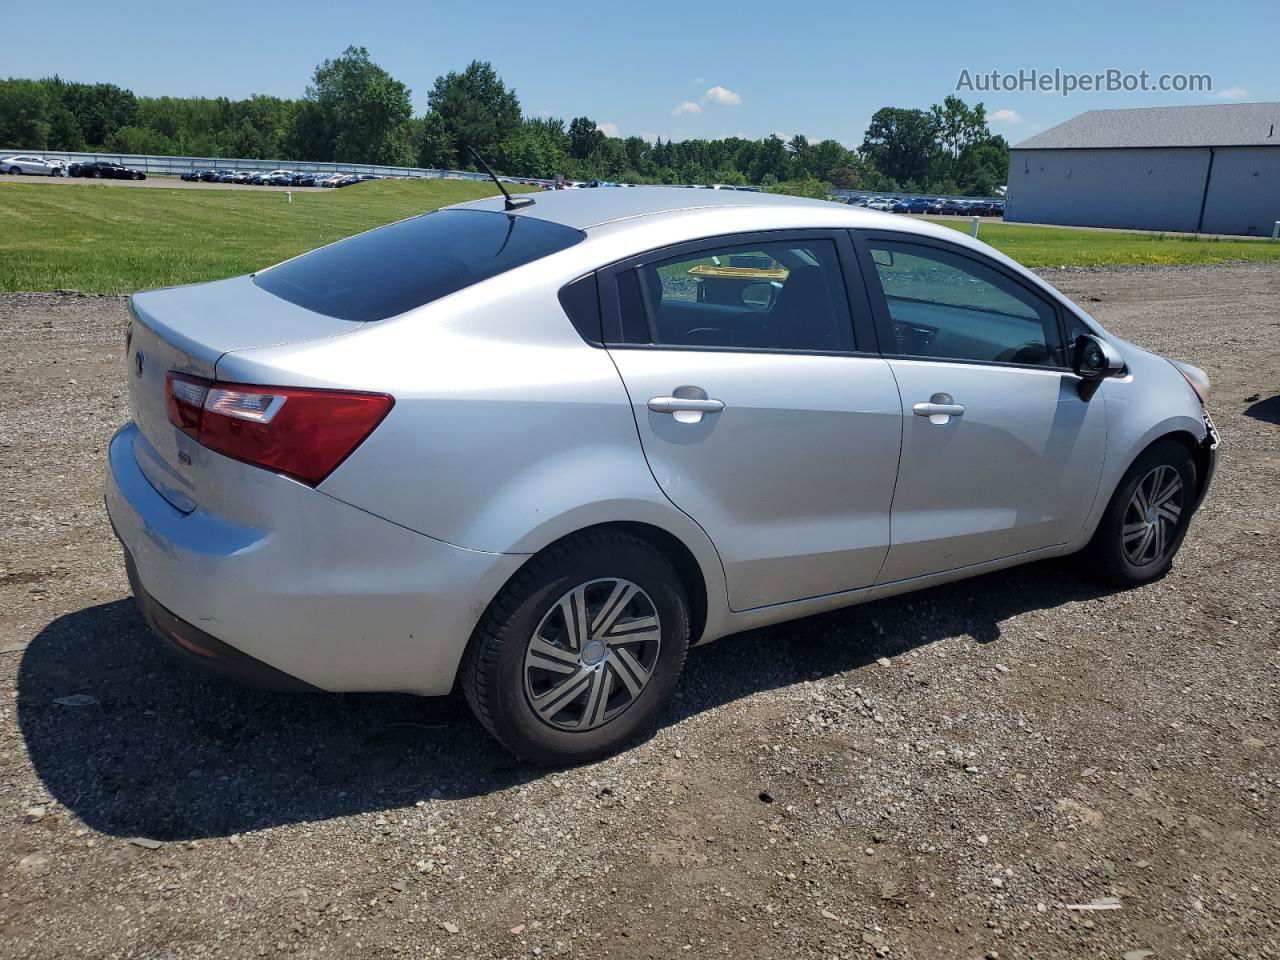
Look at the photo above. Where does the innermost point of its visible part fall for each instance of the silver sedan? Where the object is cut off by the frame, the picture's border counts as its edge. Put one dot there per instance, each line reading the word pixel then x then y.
pixel 29 164
pixel 540 449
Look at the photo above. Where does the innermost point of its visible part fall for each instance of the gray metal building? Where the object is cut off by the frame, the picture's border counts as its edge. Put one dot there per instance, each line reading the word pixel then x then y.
pixel 1213 168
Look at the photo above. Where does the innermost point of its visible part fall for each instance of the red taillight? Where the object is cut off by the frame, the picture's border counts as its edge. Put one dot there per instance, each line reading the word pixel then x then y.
pixel 297 431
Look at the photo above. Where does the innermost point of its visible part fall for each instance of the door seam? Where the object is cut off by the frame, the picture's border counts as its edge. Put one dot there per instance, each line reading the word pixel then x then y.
pixel 635 422
pixel 897 473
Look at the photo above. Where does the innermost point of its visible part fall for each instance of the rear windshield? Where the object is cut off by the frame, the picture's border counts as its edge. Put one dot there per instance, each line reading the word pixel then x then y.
pixel 395 268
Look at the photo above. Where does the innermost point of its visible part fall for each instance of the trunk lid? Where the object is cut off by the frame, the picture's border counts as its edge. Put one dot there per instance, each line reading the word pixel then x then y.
pixel 186 330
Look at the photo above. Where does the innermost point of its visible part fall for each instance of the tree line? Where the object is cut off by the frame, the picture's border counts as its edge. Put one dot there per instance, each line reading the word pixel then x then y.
pixel 356 112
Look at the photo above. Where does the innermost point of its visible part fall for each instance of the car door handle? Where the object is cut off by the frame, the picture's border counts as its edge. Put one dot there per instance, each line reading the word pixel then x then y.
pixel 938 409
pixel 685 405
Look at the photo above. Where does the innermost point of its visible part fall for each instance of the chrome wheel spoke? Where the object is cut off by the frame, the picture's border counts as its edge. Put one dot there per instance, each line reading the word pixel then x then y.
pixel 630 671
pixel 592 654
pixel 1133 530
pixel 573 607
pixel 1151 517
pixel 547 656
pixel 557 698
pixel 612 609
pixel 1171 487
pixel 1140 498
pixel 597 698
pixel 1143 544
pixel 634 631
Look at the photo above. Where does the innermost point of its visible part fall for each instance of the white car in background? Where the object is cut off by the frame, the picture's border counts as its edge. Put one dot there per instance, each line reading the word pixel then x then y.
pixel 25 163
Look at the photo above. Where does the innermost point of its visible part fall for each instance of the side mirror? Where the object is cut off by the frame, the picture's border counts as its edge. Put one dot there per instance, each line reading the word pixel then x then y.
pixel 1094 360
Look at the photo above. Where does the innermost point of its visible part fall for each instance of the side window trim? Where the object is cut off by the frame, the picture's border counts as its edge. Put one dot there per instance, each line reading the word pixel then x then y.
pixel 856 294
pixel 862 241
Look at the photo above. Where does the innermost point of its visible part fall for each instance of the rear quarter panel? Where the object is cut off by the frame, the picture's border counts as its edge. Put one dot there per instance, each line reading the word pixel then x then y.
pixel 508 432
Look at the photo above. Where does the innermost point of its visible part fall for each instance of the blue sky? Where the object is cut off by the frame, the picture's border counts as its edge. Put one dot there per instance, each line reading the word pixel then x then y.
pixel 670 69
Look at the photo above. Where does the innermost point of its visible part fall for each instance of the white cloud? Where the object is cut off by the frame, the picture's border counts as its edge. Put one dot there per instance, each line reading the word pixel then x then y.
pixel 1232 93
pixel 649 135
pixel 608 129
pixel 1010 117
pixel 723 96
pixel 686 106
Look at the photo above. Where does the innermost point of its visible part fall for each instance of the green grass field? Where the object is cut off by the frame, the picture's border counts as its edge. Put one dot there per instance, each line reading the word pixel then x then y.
pixel 1043 247
pixel 103 239
pixel 106 239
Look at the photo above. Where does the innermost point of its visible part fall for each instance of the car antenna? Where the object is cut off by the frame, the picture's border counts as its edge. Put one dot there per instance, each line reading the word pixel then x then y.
pixel 513 203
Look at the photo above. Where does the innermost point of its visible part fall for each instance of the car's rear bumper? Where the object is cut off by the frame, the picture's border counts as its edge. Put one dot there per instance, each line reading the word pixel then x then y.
pixel 319 591
pixel 204 650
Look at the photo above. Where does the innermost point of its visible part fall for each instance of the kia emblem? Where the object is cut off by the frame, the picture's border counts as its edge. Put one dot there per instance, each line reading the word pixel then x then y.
pixel 138 363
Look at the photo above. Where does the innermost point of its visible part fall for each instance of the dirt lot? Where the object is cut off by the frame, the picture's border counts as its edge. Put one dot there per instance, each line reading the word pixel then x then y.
pixel 940 775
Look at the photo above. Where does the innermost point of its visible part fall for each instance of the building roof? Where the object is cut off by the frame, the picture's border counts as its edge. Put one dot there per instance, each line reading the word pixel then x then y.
pixel 583 208
pixel 1203 125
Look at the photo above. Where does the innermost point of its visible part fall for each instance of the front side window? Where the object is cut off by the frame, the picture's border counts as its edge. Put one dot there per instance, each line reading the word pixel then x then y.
pixel 951 307
pixel 786 295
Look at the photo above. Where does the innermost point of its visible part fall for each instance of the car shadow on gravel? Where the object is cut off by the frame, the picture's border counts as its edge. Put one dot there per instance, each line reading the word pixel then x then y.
pixel 1268 410
pixel 144 746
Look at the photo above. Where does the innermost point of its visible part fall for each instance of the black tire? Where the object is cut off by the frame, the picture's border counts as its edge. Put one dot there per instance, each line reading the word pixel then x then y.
pixel 493 669
pixel 97 174
pixel 1107 556
pixel 16 171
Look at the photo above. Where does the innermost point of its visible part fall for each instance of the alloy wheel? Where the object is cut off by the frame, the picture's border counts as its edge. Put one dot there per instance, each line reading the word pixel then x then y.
pixel 1151 518
pixel 592 654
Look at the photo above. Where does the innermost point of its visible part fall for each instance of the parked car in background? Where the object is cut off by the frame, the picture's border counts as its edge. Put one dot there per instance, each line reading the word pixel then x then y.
pixel 227 176
pixel 242 176
pixel 190 175
pixel 106 169
pixel 906 407
pixel 333 180
pixel 25 163
pixel 279 178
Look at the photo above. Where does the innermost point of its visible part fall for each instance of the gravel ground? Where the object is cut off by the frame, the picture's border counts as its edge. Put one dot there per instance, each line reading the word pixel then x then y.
pixel 949 774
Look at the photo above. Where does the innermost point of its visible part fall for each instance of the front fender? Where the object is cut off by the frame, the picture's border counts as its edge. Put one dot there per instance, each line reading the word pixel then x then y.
pixel 1150 402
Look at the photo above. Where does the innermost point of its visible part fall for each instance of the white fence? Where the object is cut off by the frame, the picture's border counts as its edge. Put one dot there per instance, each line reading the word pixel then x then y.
pixel 176 166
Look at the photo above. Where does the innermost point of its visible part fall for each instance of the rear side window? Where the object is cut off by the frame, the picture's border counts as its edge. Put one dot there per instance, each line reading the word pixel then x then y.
pixel 404 265
pixel 787 295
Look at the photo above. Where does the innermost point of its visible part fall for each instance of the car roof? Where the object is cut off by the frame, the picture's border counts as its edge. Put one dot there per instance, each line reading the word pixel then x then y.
pixel 592 207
